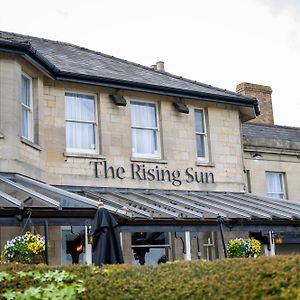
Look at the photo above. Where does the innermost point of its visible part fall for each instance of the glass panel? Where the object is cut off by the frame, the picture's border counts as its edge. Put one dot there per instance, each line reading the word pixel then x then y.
pixel 80 107
pixel 25 91
pixel 200 145
pixel 25 122
pixel 143 115
pixel 80 135
pixel 275 185
pixel 144 141
pixel 71 247
pixel 199 120
pixel 152 253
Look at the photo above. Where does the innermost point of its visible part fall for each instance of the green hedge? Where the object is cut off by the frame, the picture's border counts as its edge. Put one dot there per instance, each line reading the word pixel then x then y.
pixel 261 278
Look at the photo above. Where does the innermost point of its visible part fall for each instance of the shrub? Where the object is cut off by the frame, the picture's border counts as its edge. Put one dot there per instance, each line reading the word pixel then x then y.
pixel 243 248
pixel 235 279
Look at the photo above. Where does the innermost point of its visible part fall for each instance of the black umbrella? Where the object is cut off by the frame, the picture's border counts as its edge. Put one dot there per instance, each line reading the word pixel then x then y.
pixel 106 239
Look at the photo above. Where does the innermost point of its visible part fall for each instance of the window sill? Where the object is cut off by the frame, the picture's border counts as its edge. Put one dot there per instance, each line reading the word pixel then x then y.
pixel 30 144
pixel 149 160
pixel 83 155
pixel 205 164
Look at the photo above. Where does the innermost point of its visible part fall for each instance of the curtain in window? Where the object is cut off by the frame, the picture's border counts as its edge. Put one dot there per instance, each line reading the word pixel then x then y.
pixel 144 128
pixel 80 121
pixel 274 185
pixel 144 141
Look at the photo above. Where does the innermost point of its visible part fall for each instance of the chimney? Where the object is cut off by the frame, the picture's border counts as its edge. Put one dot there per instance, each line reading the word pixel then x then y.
pixel 160 66
pixel 263 94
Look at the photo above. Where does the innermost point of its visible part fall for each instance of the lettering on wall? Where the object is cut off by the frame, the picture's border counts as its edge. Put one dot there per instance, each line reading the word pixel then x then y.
pixel 140 172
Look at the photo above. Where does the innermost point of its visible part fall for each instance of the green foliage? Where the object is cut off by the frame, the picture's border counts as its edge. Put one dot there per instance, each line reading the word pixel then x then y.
pixel 5 276
pixel 243 248
pixel 60 285
pixel 51 291
pixel 234 279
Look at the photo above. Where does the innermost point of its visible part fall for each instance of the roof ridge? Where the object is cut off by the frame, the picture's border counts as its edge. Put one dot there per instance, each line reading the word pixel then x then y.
pixel 129 62
pixel 270 125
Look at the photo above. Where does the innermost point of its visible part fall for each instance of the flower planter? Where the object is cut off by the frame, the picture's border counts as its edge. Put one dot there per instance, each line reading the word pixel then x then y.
pixel 28 248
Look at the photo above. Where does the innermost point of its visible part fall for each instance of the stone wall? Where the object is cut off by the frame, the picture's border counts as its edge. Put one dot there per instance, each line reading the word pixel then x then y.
pixel 287 164
pixel 46 158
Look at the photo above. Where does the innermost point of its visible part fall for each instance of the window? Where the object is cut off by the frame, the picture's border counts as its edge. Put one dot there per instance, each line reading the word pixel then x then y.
pixel 144 128
pixel 80 123
pixel 26 104
pixel 275 185
pixel 150 248
pixel 201 137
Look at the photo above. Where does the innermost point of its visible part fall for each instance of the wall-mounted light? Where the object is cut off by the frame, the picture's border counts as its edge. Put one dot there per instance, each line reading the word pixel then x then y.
pixel 181 107
pixel 278 239
pixel 118 100
pixel 256 155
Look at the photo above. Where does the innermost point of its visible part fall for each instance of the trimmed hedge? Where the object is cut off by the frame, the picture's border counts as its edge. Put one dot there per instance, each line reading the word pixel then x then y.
pixel 261 278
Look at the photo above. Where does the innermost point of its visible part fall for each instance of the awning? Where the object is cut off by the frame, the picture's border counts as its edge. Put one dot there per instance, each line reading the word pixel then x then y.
pixel 20 192
pixel 67 205
pixel 159 204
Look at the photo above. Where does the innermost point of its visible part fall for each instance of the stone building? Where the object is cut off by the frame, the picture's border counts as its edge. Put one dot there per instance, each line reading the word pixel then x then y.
pixel 162 152
pixel 271 157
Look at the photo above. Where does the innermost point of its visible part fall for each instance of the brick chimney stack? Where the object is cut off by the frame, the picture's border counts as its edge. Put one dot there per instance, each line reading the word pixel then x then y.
pixel 263 94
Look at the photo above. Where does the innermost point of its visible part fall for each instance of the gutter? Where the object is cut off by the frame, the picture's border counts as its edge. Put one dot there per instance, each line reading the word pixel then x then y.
pixel 160 90
pixel 33 56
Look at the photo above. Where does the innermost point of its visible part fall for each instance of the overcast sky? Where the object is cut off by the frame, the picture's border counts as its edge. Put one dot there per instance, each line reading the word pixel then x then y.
pixel 217 42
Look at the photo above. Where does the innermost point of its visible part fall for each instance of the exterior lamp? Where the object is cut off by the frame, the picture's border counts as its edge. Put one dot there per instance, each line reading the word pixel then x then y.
pixel 118 100
pixel 256 155
pixel 181 107
pixel 278 239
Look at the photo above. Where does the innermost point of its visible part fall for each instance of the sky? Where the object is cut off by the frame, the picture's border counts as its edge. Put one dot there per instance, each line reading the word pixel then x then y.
pixel 217 42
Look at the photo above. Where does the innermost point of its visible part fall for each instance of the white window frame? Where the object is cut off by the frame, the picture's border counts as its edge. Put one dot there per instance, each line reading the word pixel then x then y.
pixel 204 134
pixel 83 150
pixel 157 129
pixel 282 180
pixel 29 109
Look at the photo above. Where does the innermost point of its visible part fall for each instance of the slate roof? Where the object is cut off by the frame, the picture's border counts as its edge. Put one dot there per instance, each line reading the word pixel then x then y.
pixel 271 132
pixel 271 137
pixel 64 60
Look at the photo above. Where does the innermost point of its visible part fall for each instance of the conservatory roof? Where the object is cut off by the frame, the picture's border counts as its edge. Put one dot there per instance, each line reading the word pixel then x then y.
pixel 19 193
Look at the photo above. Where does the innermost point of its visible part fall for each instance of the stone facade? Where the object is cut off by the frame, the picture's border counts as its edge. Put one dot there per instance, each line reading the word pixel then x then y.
pixel 287 164
pixel 46 158
pixel 269 148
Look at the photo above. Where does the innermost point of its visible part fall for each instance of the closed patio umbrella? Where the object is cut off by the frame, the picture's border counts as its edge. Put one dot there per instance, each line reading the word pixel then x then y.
pixel 106 238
